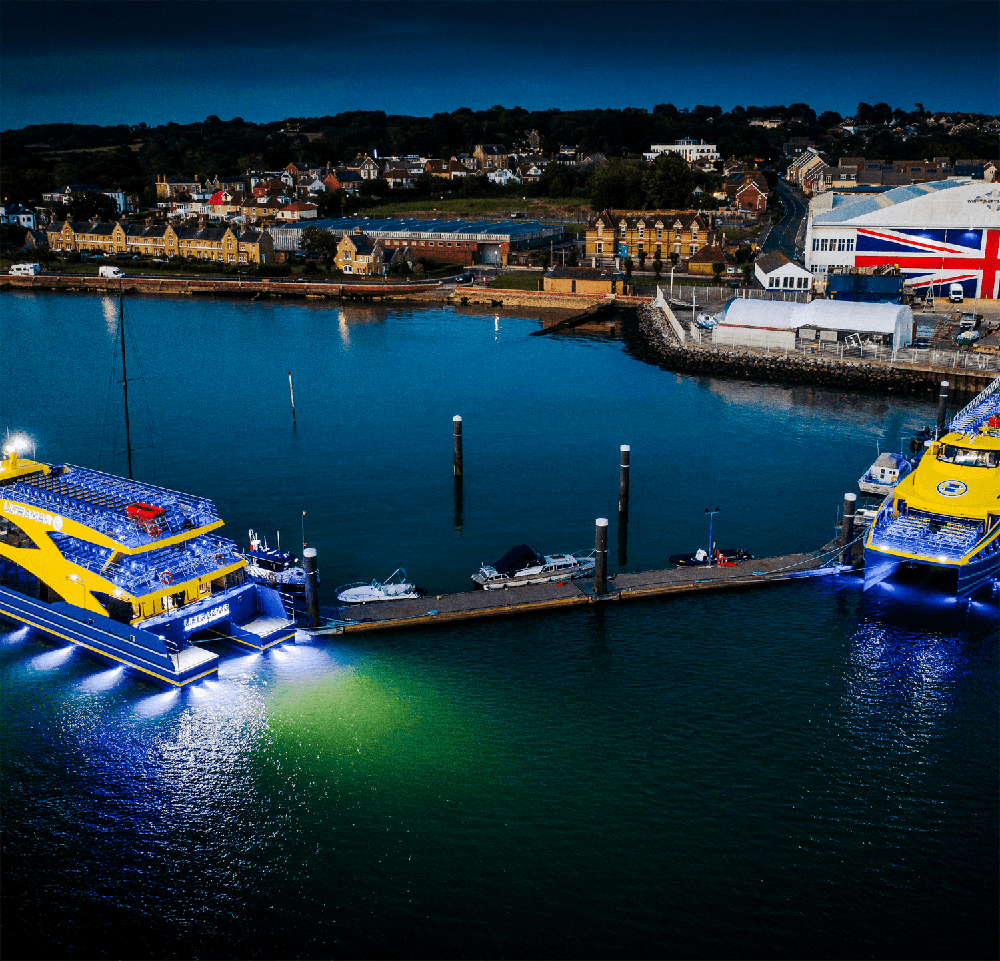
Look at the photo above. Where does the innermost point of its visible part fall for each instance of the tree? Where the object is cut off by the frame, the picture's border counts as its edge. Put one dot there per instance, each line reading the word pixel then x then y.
pixel 747 273
pixel 674 257
pixel 573 258
pixel 89 204
pixel 717 269
pixel 543 259
pixel 669 182
pixel 618 183
pixel 628 267
pixel 642 259
pixel 657 267
pixel 316 241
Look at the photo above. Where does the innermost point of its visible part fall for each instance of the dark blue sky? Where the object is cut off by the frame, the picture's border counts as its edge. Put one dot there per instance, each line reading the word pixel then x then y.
pixel 113 62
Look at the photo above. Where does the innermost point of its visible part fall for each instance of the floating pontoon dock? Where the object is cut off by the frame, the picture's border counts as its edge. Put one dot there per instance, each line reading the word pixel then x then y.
pixel 472 605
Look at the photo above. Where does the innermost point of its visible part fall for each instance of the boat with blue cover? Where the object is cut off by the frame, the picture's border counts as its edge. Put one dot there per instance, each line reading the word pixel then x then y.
pixel 134 572
pixel 524 565
pixel 945 515
pixel 274 567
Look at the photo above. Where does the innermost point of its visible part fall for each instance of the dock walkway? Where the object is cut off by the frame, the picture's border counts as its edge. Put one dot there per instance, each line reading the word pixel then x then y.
pixel 471 605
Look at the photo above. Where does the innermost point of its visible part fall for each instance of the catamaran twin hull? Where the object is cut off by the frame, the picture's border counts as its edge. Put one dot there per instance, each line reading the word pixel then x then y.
pixel 82 560
pixel 946 513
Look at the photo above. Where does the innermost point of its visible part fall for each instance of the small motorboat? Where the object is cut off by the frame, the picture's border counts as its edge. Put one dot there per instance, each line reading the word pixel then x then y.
pixel 720 558
pixel 705 321
pixel 887 471
pixel 395 587
pixel 524 565
pixel 275 568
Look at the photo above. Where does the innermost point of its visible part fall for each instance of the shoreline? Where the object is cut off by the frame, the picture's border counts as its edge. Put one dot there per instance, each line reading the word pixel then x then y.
pixel 643 328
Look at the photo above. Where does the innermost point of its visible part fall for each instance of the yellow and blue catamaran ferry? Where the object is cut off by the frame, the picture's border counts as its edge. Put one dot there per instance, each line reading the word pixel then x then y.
pixel 131 571
pixel 946 514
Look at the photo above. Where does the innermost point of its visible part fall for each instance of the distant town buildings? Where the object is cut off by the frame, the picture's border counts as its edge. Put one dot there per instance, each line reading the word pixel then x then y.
pixel 692 151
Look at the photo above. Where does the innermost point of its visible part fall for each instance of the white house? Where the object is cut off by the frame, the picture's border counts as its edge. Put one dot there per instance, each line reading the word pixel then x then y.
pixel 502 177
pixel 690 150
pixel 18 214
pixel 775 271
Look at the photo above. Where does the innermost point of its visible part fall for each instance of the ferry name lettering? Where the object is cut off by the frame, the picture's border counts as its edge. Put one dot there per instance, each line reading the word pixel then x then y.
pixel 200 620
pixel 29 513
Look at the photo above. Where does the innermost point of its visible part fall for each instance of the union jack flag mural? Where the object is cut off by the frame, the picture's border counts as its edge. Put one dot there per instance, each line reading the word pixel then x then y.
pixel 937 258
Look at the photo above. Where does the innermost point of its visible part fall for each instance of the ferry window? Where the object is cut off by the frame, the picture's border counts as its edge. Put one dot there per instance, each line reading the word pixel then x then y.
pixel 965 457
pixel 13 536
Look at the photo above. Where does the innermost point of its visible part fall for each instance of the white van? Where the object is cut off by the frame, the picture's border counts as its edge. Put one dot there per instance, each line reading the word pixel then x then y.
pixel 25 270
pixel 956 293
pixel 111 273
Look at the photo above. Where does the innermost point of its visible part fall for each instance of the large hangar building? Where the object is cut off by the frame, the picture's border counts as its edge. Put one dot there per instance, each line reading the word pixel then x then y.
pixel 938 234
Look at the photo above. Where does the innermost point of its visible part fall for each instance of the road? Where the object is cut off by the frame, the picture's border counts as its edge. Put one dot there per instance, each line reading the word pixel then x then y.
pixel 782 235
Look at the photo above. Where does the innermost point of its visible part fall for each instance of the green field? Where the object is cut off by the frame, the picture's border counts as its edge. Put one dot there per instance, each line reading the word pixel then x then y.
pixel 526 280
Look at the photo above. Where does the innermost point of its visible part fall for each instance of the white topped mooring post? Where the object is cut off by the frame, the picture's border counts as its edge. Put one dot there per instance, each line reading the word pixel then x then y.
pixel 623 507
pixel 312 587
pixel 942 407
pixel 847 528
pixel 601 557
pixel 458 444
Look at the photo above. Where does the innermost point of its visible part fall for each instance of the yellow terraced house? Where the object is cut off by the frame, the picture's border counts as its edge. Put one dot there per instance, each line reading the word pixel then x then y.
pixel 624 233
pixel 220 244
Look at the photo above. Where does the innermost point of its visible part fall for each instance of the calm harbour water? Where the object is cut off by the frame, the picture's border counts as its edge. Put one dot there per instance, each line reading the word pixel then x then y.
pixel 796 771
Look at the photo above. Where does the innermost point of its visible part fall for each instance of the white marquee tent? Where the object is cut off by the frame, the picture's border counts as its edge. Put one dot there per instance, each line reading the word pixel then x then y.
pixel 756 322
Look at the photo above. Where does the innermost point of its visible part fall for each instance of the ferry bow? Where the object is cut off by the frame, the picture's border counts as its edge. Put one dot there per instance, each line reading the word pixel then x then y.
pixel 946 514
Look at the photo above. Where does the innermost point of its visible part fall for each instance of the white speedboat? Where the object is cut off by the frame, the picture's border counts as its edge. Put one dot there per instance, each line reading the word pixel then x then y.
pixel 882 477
pixel 394 588
pixel 524 565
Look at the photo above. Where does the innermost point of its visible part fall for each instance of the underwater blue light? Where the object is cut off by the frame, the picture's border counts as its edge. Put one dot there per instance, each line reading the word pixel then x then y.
pixel 157 704
pixel 103 681
pixel 52 659
pixel 16 637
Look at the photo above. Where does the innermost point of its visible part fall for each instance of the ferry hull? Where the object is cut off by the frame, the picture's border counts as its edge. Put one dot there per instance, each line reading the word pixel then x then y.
pixel 128 644
pixel 973 575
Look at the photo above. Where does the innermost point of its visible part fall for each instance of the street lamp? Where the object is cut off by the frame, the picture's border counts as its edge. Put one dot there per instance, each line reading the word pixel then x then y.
pixel 711 518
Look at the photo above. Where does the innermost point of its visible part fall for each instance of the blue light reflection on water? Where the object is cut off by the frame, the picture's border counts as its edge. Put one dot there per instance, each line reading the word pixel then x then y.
pixel 796 771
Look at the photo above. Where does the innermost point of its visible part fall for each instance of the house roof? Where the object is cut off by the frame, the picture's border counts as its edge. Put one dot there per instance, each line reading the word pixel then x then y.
pixel 772 260
pixel 711 254
pixel 687 218
pixel 203 233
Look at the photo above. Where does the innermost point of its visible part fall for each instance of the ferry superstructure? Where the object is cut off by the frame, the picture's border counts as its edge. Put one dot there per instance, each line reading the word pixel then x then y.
pixel 128 570
pixel 946 514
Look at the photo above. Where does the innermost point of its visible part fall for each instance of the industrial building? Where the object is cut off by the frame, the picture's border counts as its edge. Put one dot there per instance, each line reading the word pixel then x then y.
pixel 938 234
pixel 776 324
pixel 451 241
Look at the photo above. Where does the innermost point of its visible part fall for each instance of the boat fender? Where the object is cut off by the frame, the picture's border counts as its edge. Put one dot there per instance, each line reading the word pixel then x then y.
pixel 220 559
pixel 166 578
pixel 272 579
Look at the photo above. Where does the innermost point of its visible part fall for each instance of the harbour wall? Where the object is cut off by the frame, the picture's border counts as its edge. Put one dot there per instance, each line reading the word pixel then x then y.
pixel 651 339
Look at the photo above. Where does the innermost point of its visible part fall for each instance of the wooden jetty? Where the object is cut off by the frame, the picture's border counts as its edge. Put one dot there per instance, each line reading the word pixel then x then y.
pixel 444 609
